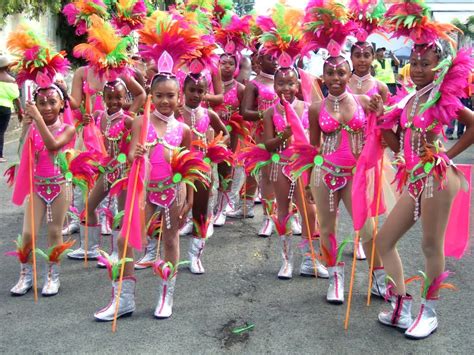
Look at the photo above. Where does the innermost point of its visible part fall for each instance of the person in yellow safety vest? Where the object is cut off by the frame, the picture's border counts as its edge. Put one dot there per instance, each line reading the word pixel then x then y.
pixel 384 70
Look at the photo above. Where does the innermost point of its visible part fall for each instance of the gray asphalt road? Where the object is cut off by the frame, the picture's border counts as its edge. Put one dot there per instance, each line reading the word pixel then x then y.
pixel 240 285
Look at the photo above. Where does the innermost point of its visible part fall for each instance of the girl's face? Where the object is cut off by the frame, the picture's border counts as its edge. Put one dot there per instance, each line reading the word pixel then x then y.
pixel 336 78
pixel 49 104
pixel 268 64
pixel 164 96
pixel 115 98
pixel 421 66
pixel 362 59
pixel 227 67
pixel 194 92
pixel 286 84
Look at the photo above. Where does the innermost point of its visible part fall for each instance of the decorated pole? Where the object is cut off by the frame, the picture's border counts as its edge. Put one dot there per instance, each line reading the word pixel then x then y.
pixel 351 285
pixel 87 105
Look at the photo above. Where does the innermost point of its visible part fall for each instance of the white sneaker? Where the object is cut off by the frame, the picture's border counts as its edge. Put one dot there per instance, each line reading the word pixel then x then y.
pixel 400 315
pixel 164 307
pixel 240 212
pixel 360 254
pixel 149 256
pixel 296 225
pixel 51 283
pixel 335 294
pixel 126 304
pixel 25 282
pixel 307 267
pixel 426 322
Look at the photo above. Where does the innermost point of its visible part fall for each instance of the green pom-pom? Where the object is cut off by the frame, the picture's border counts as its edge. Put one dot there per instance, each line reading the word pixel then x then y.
pixel 427 167
pixel 207 160
pixel 275 157
pixel 177 178
pixel 121 158
pixel 229 128
pixel 318 160
pixel 68 176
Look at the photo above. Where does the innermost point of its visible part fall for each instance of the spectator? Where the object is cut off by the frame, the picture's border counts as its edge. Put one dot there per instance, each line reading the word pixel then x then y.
pixel 9 94
pixel 384 70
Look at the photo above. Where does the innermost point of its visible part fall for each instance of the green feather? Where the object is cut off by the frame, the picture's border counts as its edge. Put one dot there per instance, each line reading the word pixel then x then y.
pixel 430 103
pixel 42 254
pixel 118 219
pixel 341 248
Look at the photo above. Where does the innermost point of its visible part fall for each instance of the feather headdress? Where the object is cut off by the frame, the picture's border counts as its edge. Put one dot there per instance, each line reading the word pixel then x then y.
pixel 325 22
pixel 368 15
pixel 232 33
pixel 282 32
pixel 105 50
pixel 412 19
pixel 79 13
pixel 130 15
pixel 35 57
pixel 171 33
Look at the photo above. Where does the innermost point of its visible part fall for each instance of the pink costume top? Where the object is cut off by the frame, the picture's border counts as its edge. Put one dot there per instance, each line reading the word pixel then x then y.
pixel 48 177
pixel 116 136
pixel 199 126
pixel 371 92
pixel 342 143
pixel 162 191
pixel 266 98
pixel 280 123
pixel 231 104
pixel 95 95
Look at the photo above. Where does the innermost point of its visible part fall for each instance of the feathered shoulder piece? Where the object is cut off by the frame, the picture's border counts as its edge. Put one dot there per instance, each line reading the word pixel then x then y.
pixel 282 31
pixel 78 13
pixel 105 50
pixel 412 19
pixel 326 21
pixel 368 15
pixel 232 33
pixel 168 32
pixel 454 72
pixel 130 15
pixel 35 56
pixel 221 9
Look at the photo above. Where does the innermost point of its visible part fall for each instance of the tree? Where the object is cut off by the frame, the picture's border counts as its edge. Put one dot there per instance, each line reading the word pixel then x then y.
pixel 29 8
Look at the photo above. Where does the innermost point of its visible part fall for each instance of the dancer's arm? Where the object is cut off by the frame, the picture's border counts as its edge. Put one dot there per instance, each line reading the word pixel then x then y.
pixel 383 90
pixel 218 126
pixel 390 137
pixel 75 98
pixel 136 149
pixel 466 117
pixel 247 106
pixel 137 92
pixel 218 97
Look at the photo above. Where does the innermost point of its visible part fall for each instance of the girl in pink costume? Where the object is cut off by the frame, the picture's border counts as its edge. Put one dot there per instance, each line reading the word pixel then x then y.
pixel 115 125
pixel 204 125
pixel 233 92
pixel 173 199
pixel 432 180
pixel 259 95
pixel 278 136
pixel 45 136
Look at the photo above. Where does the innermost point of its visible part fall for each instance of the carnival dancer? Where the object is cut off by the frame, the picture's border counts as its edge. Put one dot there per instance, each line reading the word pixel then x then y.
pixel 259 95
pixel 107 56
pixel 169 186
pixel 425 168
pixel 337 129
pixel 281 39
pixel 44 136
pixel 204 123
pixel 232 35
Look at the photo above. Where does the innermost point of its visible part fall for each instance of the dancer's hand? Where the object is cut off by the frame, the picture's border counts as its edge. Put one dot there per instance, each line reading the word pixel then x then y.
pixel 309 195
pixel 86 119
pixel 287 133
pixel 32 112
pixel 140 151
pixel 376 105
pixel 183 214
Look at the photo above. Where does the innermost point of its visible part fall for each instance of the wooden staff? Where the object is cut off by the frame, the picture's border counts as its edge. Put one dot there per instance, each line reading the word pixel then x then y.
pixel 348 310
pixel 87 104
pixel 32 213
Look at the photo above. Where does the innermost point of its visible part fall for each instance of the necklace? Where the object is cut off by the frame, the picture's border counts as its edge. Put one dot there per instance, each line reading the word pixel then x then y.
pixel 336 100
pixel 110 119
pixel 55 126
pixel 192 112
pixel 163 117
pixel 361 80
pixel 228 83
pixel 267 76
pixel 418 95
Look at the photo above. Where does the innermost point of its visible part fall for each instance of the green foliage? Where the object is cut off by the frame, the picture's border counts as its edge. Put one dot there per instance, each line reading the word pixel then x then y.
pixel 467 27
pixel 30 8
